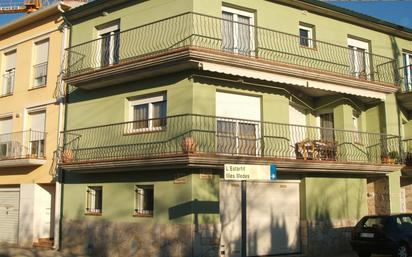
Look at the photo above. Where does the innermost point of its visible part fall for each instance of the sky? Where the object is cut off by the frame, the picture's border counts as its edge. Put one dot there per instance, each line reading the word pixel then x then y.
pixel 399 12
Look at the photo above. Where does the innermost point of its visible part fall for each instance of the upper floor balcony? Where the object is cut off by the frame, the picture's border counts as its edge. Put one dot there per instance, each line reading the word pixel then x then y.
pixel 25 148
pixel 184 41
pixel 209 141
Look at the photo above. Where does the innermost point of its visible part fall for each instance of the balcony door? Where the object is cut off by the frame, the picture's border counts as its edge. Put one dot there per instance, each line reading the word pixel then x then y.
pixel 5 136
pixel 359 59
pixel 37 133
pixel 238 31
pixel 237 126
pixel 109 44
pixel 327 124
pixel 407 61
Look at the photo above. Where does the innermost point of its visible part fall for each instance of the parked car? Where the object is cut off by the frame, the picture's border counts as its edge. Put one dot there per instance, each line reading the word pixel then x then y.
pixel 383 234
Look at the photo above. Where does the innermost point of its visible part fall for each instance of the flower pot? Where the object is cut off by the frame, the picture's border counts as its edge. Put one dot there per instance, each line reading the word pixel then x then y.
pixel 188 145
pixel 67 156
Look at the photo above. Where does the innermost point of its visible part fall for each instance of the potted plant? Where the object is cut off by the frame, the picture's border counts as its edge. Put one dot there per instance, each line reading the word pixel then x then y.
pixel 188 144
pixel 390 158
pixel 67 156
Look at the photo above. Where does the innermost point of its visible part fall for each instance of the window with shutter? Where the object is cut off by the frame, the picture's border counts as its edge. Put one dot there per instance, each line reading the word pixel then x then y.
pixel 41 63
pixel 9 73
pixel 37 133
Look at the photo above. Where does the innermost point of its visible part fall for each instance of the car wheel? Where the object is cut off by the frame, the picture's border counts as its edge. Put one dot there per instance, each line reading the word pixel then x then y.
pixel 364 254
pixel 400 251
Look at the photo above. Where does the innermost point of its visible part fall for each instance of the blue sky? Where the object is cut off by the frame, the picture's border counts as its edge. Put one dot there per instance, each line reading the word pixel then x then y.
pixel 399 12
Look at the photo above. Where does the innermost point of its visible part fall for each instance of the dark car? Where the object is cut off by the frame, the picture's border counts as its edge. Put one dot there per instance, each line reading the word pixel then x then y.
pixel 383 234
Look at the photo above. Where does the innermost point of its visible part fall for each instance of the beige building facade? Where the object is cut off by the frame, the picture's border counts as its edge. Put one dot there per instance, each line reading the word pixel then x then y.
pixel 30 118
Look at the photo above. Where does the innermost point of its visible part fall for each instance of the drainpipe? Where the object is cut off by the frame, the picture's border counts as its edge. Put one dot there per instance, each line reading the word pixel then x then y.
pixel 60 100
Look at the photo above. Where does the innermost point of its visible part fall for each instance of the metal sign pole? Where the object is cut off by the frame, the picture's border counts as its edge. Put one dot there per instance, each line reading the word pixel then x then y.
pixel 243 217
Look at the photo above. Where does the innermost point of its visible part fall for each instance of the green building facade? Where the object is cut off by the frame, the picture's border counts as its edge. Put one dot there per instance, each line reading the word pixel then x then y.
pixel 162 94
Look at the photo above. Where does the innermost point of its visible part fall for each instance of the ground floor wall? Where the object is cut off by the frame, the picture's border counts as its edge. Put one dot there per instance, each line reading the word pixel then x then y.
pixel 187 213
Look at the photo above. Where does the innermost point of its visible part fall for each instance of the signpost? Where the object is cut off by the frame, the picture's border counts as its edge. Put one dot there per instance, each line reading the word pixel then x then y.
pixel 243 173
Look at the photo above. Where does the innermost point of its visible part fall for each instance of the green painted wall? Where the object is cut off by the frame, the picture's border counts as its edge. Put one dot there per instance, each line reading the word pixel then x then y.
pixel 108 105
pixel 335 198
pixel 170 199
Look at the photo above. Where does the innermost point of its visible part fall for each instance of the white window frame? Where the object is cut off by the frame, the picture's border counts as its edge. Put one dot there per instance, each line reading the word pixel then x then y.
pixel 8 72
pixel 28 112
pixel 251 16
pixel 360 45
pixel 407 62
pixel 310 30
pixel 142 212
pixel 150 100
pixel 91 200
pixel 237 135
pixel 5 141
pixel 36 43
pixel 104 29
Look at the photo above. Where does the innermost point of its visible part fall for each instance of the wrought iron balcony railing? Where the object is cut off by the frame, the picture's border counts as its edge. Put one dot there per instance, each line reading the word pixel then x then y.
pixel 216 136
pixel 22 145
pixel 406 79
pixel 211 33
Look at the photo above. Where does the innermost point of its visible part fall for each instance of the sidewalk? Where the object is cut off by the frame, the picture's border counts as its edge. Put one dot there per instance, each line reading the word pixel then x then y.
pixel 8 251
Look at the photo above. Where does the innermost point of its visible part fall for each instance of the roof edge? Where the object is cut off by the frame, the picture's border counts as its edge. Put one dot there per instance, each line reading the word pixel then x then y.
pixel 34 17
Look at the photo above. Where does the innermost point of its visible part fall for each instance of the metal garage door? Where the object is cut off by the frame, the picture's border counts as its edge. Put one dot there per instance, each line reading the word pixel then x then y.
pixel 272 218
pixel 9 215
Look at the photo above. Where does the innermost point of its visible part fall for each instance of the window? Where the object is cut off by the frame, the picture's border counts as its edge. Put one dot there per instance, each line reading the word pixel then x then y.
pixel 109 35
pixel 327 125
pixel 40 63
pixel 407 61
pixel 144 200
pixel 238 31
pixel 9 73
pixel 359 58
pixel 5 136
pixel 306 35
pixel 237 137
pixel 37 133
pixel 355 121
pixel 94 200
pixel 148 113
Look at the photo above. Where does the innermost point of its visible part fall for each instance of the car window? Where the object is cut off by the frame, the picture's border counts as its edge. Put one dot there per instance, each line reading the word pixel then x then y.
pixel 406 223
pixel 374 222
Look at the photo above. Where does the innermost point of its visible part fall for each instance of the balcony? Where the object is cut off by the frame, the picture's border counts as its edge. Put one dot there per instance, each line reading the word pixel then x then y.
pixel 24 148
pixel 209 140
pixel 190 38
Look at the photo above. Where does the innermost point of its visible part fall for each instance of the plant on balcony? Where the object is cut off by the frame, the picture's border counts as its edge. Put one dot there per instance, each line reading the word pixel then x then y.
pixel 188 144
pixel 67 156
pixel 390 158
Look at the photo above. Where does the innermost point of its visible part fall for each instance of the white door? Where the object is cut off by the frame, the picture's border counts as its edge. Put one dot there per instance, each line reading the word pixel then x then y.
pixel 407 61
pixel 272 218
pixel 231 217
pixel 9 215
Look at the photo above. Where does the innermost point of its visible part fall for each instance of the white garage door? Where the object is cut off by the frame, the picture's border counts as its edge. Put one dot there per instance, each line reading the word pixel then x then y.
pixel 9 215
pixel 272 218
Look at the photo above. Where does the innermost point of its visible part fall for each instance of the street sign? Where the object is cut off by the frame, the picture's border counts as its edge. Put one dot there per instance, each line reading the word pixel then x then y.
pixel 250 172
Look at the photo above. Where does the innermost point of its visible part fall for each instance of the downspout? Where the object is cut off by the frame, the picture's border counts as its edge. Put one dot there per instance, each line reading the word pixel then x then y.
pixel 61 101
